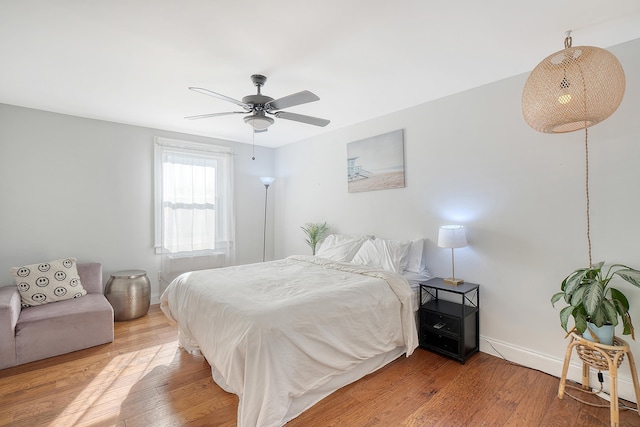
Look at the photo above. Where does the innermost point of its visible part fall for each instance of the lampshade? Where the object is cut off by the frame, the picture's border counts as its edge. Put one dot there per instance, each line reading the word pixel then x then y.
pixel 452 236
pixel 267 180
pixel 573 89
pixel 258 121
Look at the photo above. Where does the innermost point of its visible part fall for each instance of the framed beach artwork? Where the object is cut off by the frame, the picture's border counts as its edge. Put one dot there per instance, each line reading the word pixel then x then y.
pixel 376 163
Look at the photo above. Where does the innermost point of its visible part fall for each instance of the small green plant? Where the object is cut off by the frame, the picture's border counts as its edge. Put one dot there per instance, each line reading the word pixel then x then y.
pixel 315 232
pixel 591 299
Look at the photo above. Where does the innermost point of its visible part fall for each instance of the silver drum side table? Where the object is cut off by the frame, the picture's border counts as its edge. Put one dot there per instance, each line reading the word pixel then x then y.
pixel 129 293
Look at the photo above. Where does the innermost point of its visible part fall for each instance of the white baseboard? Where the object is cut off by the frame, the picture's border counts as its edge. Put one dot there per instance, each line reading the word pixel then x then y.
pixel 155 298
pixel 553 366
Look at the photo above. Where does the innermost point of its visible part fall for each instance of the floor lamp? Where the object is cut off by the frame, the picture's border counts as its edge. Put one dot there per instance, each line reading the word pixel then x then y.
pixel 267 181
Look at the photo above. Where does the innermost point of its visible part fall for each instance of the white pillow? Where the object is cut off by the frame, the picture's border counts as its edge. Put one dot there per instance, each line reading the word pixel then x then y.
pixel 48 282
pixel 340 248
pixel 414 262
pixel 385 254
pixel 415 279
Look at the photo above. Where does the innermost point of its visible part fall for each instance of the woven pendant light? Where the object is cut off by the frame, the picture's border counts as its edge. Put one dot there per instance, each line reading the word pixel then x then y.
pixel 573 89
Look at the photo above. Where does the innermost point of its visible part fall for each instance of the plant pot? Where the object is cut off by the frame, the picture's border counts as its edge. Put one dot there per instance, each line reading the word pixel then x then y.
pixel 604 333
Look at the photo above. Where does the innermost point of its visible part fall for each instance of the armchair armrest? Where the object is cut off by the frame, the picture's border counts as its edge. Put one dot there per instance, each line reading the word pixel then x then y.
pixel 10 308
pixel 91 277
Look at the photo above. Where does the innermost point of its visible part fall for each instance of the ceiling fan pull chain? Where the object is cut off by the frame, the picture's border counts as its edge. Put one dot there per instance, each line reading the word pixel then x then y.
pixel 253 144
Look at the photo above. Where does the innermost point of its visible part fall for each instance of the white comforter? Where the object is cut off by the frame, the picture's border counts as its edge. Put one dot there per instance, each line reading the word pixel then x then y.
pixel 277 330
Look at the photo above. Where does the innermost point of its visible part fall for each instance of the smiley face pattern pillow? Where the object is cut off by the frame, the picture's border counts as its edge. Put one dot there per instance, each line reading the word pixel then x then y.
pixel 48 282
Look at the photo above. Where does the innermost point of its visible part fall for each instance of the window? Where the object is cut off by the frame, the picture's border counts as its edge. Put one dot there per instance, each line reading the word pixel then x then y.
pixel 194 206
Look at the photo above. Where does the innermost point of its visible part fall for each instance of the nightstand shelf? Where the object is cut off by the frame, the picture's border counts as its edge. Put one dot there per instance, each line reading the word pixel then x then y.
pixel 450 326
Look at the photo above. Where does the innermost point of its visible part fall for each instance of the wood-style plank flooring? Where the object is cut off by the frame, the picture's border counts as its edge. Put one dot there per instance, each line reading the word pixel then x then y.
pixel 144 379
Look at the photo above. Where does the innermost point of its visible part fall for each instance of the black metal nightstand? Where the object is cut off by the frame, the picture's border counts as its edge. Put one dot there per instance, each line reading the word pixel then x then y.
pixel 450 327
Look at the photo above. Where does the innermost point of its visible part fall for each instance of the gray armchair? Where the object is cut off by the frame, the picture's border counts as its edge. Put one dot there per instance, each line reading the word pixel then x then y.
pixel 34 333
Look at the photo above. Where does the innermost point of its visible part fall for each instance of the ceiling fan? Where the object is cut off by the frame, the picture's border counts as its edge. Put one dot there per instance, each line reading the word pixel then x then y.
pixel 259 105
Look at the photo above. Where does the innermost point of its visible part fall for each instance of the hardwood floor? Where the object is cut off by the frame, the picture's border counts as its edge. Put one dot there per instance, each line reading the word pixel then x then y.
pixel 144 379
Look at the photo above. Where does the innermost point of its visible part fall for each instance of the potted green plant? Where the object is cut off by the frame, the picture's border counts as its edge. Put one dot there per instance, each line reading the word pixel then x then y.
pixel 315 232
pixel 593 302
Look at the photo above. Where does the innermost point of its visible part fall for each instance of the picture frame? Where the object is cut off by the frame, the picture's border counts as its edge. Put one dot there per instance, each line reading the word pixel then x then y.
pixel 376 163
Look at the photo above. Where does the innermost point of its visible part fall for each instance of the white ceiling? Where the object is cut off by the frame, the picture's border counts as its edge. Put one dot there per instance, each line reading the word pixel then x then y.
pixel 131 61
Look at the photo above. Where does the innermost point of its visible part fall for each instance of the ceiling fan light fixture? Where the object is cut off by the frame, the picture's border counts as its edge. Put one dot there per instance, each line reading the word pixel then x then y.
pixel 258 122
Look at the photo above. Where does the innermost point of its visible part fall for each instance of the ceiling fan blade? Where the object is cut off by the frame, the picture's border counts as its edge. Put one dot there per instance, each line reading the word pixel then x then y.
pixel 205 116
pixel 302 118
pixel 291 100
pixel 219 96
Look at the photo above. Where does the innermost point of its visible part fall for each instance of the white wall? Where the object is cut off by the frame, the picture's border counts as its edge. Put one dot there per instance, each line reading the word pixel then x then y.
pixel 471 159
pixel 76 187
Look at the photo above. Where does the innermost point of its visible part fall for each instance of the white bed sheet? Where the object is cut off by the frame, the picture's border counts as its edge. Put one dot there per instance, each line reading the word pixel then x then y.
pixel 274 332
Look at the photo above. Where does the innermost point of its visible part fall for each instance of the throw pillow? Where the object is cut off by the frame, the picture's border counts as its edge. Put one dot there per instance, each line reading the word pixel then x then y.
pixel 48 282
pixel 384 254
pixel 340 248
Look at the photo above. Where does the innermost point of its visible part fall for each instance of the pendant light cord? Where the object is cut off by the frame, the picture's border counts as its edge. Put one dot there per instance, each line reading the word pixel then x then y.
pixel 568 40
pixel 586 156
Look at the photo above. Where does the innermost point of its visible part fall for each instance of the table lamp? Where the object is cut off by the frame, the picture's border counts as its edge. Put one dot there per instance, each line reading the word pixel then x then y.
pixel 452 236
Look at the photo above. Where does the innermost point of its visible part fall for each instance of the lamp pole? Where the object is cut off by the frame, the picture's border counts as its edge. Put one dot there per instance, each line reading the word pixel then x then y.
pixel 264 227
pixel 267 181
pixel 453 267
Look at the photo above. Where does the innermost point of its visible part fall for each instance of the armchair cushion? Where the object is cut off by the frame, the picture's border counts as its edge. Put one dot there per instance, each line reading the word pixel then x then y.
pixel 65 326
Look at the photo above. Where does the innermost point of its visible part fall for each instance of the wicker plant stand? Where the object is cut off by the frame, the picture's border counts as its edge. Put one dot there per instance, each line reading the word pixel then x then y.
pixel 603 358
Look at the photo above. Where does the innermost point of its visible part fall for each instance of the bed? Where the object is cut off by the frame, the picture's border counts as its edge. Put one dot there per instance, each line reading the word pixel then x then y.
pixel 282 335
